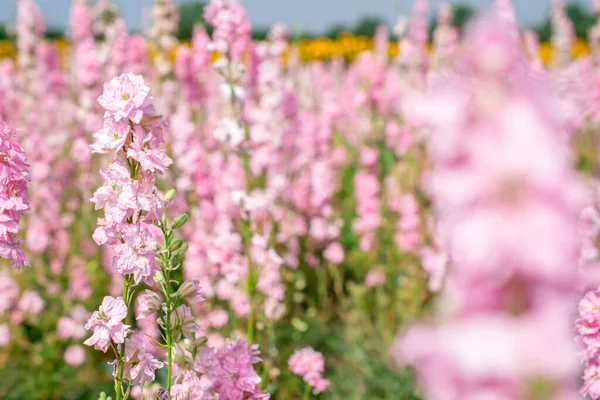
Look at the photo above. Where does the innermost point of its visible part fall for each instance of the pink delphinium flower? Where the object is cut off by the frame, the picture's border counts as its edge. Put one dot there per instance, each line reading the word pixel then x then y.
pixel 310 365
pixel 9 290
pixel 140 364
pixel 125 97
pixel 232 28
pixel 233 374
pixel 4 335
pixel 367 190
pixel 14 180
pixel 107 325
pixel 506 203
pixel 74 355
pixel 80 21
pixel 147 304
pixel 334 253
pixel 587 327
pixel 136 255
pixel 31 303
pixel 375 277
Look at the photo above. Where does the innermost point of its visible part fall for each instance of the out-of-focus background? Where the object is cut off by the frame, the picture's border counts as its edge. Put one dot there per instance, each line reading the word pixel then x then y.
pixel 310 19
pixel 350 218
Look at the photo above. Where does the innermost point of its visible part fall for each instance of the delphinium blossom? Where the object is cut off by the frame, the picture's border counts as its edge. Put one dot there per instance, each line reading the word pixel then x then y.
pixel 563 35
pixel 30 29
pixel 132 133
pixel 506 11
pixel 104 13
pixel 231 36
pixel 594 33
pixel 14 180
pixel 308 222
pixel 162 34
pixel 107 324
pixel 532 44
pixel 135 216
pixel 8 91
pixel 192 70
pixel 232 33
pixel 367 190
pixel 506 202
pixel 310 365
pixel 588 326
pixel 413 57
pixel 445 37
pixel 228 372
pixel 87 68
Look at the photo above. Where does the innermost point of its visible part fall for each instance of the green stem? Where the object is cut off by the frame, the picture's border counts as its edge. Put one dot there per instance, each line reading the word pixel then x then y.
pixel 306 395
pixel 170 364
pixel 167 291
pixel 119 379
pixel 246 228
pixel 250 283
pixel 247 235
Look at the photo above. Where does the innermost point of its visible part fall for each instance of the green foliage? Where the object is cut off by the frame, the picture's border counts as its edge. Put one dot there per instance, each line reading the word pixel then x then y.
pixel 462 15
pixel 582 22
pixel 190 14
pixel 367 26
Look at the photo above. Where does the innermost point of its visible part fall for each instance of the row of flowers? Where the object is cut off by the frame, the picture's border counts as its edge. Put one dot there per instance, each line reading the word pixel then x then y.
pixel 346 45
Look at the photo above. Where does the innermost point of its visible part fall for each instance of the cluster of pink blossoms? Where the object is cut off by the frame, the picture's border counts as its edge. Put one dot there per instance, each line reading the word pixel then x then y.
pixel 588 329
pixel 310 365
pixel 368 203
pixel 133 132
pixel 232 26
pixel 204 373
pixel 14 180
pixel 506 203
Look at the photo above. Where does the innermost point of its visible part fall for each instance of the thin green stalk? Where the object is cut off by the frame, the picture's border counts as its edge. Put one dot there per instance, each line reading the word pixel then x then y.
pixel 306 395
pixel 119 379
pixel 167 291
pixel 170 364
pixel 246 228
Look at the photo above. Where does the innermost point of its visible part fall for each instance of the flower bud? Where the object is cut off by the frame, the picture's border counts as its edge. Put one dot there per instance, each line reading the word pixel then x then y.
pixel 159 277
pixel 147 304
pixel 176 244
pixel 190 290
pixel 170 195
pixel 162 394
pixel 179 221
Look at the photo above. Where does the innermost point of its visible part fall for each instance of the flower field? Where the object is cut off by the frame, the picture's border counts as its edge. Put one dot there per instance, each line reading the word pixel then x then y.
pixel 346 45
pixel 364 218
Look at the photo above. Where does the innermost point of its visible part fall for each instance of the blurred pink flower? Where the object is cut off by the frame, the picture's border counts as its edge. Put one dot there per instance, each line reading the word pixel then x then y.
pixel 310 365
pixel 74 355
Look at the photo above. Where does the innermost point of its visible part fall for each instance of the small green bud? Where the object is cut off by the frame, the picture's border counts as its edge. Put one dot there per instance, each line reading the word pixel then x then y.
pixel 159 277
pixel 299 324
pixel 179 221
pixel 201 341
pixel 170 195
pixel 176 244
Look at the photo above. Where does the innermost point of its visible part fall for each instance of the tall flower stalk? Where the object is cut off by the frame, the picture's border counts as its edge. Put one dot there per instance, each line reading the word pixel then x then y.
pixel 132 133
pixel 14 180
pixel 231 37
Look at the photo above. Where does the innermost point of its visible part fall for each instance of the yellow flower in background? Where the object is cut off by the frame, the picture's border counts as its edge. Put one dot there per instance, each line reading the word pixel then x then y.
pixel 345 45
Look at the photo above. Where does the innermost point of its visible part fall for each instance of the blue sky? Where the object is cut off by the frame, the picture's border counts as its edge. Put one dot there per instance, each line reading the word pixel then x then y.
pixel 311 15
